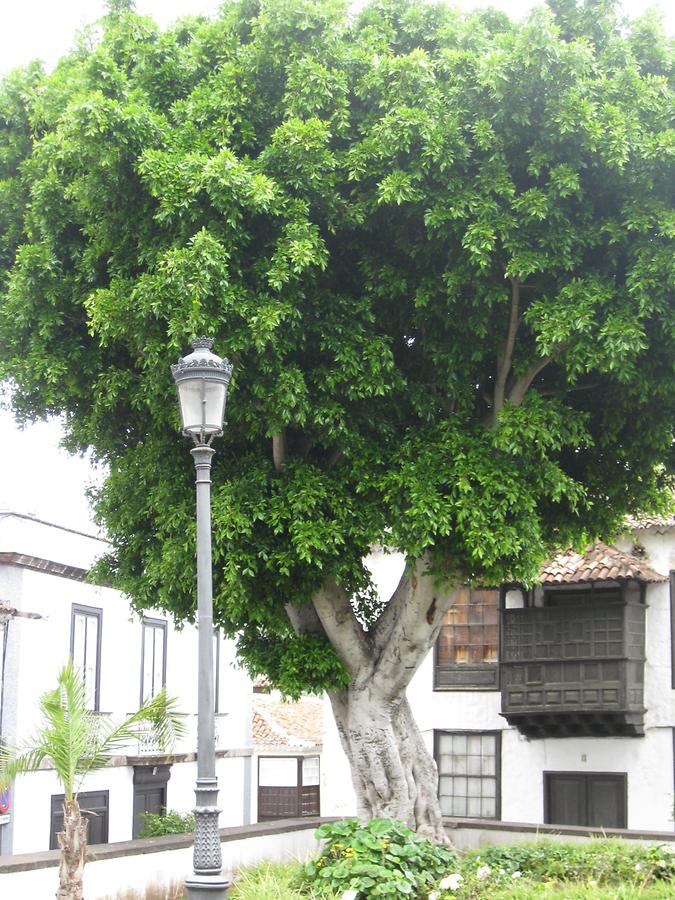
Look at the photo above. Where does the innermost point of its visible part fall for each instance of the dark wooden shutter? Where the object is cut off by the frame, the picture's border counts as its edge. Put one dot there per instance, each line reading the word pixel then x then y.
pixel 594 799
pixel 565 799
pixel 94 806
pixel 606 798
pixel 288 802
pixel 310 800
pixel 150 789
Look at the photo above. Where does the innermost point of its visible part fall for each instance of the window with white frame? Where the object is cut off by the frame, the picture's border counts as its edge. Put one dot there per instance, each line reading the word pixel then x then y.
pixel 467 649
pixel 153 658
pixel 310 771
pixel 85 649
pixel 468 773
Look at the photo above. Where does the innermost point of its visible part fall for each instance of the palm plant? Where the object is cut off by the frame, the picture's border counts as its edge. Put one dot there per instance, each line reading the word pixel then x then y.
pixel 76 741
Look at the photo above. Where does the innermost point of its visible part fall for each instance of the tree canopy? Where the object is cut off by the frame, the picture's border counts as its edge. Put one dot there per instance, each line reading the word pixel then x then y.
pixel 437 247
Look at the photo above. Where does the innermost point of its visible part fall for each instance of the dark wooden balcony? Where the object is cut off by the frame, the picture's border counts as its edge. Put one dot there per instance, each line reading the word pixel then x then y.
pixel 574 669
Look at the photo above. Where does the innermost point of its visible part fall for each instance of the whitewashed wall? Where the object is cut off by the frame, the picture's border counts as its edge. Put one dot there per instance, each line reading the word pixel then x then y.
pixel 104 879
pixel 38 647
pixel 648 761
pixel 660 555
pixel 31 805
pixel 24 534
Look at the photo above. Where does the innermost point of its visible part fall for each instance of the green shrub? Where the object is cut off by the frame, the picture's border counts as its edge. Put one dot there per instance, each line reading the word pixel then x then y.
pixel 171 822
pixel 603 861
pixel 380 859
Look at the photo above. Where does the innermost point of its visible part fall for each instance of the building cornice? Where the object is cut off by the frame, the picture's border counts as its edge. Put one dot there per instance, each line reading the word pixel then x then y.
pixel 37 564
pixel 10 514
pixel 158 759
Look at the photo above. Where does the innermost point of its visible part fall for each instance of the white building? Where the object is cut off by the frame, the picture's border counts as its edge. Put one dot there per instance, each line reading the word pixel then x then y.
pixel 287 748
pixel 555 705
pixel 50 613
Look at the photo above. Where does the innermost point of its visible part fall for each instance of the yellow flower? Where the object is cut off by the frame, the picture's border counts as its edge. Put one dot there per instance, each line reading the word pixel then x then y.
pixel 350 851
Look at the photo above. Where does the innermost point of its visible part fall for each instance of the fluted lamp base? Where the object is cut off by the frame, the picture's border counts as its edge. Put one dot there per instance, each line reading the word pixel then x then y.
pixel 201 887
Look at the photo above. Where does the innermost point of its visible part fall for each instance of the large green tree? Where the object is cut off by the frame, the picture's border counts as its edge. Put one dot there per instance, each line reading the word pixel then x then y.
pixel 438 249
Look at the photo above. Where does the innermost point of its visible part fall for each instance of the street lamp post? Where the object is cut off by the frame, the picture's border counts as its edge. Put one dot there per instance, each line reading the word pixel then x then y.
pixel 201 380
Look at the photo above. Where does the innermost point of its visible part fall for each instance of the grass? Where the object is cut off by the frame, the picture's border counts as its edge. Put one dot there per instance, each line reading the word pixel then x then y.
pixel 174 891
pixel 275 881
pixel 583 891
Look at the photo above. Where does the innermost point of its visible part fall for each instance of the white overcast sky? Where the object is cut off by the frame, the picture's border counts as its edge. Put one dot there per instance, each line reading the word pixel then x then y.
pixel 36 476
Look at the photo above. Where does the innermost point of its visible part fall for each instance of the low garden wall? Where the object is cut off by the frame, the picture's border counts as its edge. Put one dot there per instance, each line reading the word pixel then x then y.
pixel 132 865
pixel 467 834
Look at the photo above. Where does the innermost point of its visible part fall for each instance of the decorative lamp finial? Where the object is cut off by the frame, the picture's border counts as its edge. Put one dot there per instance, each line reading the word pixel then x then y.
pixel 205 343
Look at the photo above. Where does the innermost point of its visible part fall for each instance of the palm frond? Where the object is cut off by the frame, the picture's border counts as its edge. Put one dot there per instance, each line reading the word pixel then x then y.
pixel 160 713
pixel 67 730
pixel 77 742
pixel 14 762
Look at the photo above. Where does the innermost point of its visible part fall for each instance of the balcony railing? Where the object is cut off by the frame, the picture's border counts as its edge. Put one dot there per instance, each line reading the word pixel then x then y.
pixel 147 746
pixel 574 669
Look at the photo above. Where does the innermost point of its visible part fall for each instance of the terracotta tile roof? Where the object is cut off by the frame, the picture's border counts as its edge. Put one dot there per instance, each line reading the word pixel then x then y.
pixel 660 524
pixel 263 733
pixel 598 563
pixel 276 723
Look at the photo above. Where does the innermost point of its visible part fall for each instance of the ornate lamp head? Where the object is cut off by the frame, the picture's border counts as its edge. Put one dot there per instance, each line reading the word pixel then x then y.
pixel 201 380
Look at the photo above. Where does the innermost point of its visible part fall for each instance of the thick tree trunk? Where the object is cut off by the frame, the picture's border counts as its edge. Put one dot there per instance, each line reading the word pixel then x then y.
pixel 393 773
pixel 73 844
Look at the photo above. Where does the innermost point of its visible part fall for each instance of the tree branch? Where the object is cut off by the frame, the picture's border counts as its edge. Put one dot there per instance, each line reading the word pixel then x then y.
pixel 520 387
pixel 304 619
pixel 383 627
pixel 416 619
pixel 279 449
pixel 347 637
pixel 507 354
pixel 335 456
pixel 570 388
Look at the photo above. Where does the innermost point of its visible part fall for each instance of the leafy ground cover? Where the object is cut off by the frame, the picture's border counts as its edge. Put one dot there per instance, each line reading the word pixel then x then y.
pixel 286 882
pixel 602 870
pixel 385 859
pixel 382 858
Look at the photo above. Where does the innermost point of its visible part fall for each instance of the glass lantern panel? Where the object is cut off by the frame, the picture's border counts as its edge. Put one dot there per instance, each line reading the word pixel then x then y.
pixel 191 407
pixel 215 405
pixel 202 405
